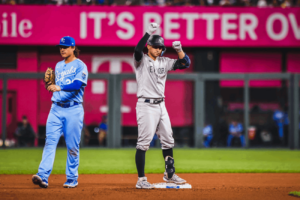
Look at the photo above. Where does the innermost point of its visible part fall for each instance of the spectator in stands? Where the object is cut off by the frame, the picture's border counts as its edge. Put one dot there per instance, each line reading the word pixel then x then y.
pixel 224 3
pixel 169 2
pixel 102 130
pixel 262 3
pixel 286 3
pixel 235 130
pixel 207 134
pixel 11 2
pixel 150 3
pixel 203 2
pixel 240 3
pixel 281 119
pixel 25 133
pixel 34 1
pixel 102 2
pixel 274 3
pixel 126 2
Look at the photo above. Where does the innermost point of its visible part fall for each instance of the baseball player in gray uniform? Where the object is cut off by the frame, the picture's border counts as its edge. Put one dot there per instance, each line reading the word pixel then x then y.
pixel 151 73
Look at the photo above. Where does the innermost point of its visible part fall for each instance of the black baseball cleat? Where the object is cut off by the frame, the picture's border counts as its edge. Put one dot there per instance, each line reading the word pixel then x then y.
pixel 39 181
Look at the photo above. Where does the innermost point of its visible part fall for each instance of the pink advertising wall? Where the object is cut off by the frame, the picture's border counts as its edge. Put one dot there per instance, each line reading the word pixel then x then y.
pixel 293 62
pixel 26 90
pixel 250 62
pixel 123 26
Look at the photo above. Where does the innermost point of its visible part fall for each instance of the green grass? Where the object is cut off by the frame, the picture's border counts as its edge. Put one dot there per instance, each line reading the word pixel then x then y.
pixel 119 161
pixel 295 194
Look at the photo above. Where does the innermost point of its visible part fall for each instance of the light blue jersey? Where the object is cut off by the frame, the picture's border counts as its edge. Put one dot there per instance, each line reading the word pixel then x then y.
pixel 235 129
pixel 208 133
pixel 66 74
pixel 281 119
pixel 207 130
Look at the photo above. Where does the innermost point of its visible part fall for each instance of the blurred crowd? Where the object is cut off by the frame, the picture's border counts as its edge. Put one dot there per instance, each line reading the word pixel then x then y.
pixel 241 3
pixel 234 132
pixel 230 133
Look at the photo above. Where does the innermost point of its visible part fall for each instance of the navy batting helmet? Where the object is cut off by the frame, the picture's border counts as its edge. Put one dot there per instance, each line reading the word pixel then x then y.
pixel 157 40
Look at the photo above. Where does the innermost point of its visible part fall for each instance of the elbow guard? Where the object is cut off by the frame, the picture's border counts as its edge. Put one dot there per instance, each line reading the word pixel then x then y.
pixel 182 63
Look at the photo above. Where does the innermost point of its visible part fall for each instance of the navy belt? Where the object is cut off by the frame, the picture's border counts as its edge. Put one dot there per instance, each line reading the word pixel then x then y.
pixel 154 101
pixel 66 104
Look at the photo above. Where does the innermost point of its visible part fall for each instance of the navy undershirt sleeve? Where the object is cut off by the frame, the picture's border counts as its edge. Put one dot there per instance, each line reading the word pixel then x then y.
pixel 76 85
pixel 138 51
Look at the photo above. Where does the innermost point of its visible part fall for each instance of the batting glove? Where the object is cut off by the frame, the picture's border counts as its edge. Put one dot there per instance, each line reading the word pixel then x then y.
pixel 152 28
pixel 177 46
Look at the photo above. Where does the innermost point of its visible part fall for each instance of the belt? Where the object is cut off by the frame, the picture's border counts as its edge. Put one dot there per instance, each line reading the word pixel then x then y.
pixel 154 101
pixel 66 104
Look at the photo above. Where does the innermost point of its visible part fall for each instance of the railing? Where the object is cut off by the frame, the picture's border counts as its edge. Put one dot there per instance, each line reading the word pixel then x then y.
pixel 199 79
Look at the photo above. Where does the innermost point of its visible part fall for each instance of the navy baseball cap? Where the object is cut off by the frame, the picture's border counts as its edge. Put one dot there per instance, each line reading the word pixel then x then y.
pixel 66 41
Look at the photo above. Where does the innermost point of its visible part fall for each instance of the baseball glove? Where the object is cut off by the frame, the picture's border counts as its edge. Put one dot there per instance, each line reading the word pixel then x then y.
pixel 49 78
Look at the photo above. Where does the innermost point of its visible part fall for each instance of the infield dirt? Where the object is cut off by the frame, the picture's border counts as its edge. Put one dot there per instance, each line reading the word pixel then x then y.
pixel 122 186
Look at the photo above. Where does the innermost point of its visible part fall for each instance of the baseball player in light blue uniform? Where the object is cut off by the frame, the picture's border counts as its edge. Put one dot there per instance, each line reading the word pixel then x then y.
pixel 66 114
pixel 235 130
pixel 208 135
pixel 281 119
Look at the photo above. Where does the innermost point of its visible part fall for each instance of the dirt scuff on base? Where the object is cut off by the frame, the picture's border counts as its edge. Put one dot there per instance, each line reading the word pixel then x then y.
pixel 122 186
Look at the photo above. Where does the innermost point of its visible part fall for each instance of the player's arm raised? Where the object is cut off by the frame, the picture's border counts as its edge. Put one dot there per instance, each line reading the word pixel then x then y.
pixel 138 51
pixel 184 61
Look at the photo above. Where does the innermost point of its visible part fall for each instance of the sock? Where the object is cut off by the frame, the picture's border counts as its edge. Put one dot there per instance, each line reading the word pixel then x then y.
pixel 167 152
pixel 140 162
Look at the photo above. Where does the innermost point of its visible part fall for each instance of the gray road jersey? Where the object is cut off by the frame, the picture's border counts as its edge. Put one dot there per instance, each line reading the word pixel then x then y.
pixel 151 76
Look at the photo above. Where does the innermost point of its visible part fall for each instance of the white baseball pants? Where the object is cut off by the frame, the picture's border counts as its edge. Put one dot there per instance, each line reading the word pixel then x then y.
pixel 151 119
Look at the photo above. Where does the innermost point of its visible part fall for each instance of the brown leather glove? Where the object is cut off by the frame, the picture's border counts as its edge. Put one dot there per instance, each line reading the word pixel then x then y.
pixel 49 78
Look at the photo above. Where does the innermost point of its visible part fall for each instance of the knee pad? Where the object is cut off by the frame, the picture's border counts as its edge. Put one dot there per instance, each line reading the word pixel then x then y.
pixel 170 169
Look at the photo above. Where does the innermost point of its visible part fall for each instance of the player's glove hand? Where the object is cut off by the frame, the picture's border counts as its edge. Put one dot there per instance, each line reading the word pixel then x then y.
pixel 49 78
pixel 152 28
pixel 54 88
pixel 177 46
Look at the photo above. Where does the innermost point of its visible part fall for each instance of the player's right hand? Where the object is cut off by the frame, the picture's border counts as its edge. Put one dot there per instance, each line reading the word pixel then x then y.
pixel 54 88
pixel 152 28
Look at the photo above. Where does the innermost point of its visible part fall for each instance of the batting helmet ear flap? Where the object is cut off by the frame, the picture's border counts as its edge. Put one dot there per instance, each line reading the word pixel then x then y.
pixel 163 51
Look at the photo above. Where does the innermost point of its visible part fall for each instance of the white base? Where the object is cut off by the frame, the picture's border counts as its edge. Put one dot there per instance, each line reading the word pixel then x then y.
pixel 172 186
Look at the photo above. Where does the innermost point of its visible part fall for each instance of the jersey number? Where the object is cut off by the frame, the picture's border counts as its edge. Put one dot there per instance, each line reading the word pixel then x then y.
pixel 161 70
pixel 68 81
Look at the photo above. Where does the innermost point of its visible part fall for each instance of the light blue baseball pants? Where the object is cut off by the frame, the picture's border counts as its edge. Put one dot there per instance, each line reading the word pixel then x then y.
pixel 67 121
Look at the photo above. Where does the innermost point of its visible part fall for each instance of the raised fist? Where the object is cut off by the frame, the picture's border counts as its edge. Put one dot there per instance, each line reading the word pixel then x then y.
pixel 152 28
pixel 177 46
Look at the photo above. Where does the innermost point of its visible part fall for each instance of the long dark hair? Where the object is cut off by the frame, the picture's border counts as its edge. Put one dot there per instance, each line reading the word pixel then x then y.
pixel 76 52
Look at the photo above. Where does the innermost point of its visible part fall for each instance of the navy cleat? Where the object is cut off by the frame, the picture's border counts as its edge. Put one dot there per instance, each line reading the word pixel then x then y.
pixel 39 181
pixel 70 184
